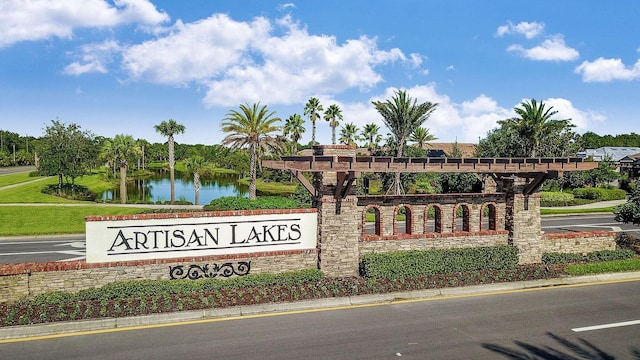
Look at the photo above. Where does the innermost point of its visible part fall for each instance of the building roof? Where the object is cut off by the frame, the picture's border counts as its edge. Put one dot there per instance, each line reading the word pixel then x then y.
pixel 613 153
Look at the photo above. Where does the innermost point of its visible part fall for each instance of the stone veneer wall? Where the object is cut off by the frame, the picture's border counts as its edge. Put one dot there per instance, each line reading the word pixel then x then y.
pixel 526 231
pixel 578 242
pixel 439 241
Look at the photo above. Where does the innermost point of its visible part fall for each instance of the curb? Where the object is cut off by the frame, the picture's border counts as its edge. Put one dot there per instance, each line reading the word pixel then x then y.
pixel 166 319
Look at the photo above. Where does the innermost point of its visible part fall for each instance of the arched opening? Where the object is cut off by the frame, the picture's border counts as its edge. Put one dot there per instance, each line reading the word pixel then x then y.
pixel 372 221
pixel 402 220
pixel 462 217
pixel 489 216
pixel 433 219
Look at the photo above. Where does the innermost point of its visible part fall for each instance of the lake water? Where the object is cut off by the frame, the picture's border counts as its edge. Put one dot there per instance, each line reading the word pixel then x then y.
pixel 158 188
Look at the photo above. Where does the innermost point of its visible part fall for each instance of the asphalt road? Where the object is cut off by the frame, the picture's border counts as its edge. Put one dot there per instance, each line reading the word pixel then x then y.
pixel 72 247
pixel 585 322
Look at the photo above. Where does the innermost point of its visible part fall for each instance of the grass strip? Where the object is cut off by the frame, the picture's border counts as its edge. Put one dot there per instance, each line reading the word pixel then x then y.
pixel 576 211
pixel 40 220
pixel 604 267
pixel 11 179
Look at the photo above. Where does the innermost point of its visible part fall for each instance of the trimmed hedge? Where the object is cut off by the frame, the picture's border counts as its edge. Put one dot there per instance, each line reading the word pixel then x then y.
pixel 596 256
pixel 556 198
pixel 414 263
pixel 599 194
pixel 242 203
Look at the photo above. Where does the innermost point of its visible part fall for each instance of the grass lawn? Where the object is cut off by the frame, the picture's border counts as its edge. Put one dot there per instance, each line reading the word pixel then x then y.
pixel 52 219
pixel 18 178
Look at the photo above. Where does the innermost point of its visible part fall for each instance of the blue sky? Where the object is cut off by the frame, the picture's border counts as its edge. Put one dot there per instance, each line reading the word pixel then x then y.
pixel 123 66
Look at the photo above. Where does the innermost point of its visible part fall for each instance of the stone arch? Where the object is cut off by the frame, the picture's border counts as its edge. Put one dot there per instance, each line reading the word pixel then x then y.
pixel 408 219
pixel 465 213
pixel 492 216
pixel 437 219
pixel 377 227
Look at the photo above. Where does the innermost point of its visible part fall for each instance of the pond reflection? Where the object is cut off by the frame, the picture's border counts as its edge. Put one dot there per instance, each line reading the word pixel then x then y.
pixel 157 188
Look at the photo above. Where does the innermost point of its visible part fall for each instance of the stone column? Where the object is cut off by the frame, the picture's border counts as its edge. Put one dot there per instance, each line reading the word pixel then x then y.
pixel 339 221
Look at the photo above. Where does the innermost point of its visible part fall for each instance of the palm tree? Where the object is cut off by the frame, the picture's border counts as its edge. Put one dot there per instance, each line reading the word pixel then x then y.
pixel 371 136
pixel 313 109
pixel 403 115
pixel 349 134
pixel 331 115
pixel 194 165
pixel 251 126
pixel 294 128
pixel 421 136
pixel 535 124
pixel 169 128
pixel 125 149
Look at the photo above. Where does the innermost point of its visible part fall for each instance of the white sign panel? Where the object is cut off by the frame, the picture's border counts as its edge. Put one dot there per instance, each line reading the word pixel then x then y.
pixel 125 240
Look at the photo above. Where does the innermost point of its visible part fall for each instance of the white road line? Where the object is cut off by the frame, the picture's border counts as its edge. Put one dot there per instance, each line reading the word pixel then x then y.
pixel 606 326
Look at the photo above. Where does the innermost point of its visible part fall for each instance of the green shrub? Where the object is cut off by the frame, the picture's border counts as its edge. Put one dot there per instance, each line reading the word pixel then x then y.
pixel 556 198
pixel 242 203
pixel 596 256
pixel 411 264
pixel 599 194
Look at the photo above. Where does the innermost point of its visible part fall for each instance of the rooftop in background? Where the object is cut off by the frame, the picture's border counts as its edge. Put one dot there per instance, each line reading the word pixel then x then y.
pixel 609 153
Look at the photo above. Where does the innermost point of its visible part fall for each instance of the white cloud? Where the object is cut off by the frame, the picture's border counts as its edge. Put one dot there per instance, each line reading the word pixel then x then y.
pixel 528 29
pixel 42 19
pixel 583 120
pixel 552 49
pixel 94 58
pixel 605 70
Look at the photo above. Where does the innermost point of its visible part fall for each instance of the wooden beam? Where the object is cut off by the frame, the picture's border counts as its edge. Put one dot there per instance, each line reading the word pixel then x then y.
pixel 303 180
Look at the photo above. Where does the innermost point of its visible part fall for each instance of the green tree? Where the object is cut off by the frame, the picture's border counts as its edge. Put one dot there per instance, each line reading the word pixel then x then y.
pixel 194 165
pixel 630 211
pixel 349 134
pixel 313 109
pixel 293 129
pixel 251 127
pixel 66 151
pixel 371 136
pixel 332 115
pixel 124 150
pixel 534 124
pixel 402 115
pixel 420 136
pixel 169 128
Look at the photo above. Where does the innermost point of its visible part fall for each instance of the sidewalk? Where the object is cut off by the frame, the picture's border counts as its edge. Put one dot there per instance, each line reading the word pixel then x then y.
pixel 17 332
pixel 595 205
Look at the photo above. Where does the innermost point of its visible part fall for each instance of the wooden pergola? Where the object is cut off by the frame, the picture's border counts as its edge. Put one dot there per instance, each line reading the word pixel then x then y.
pixel 348 168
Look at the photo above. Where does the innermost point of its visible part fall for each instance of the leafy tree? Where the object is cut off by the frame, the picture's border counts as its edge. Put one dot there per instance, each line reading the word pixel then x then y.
pixel 251 126
pixel 313 109
pixel 349 134
pixel 169 128
pixel 630 211
pixel 603 174
pixel 370 135
pixel 421 136
pixel 66 151
pixel 534 124
pixel 194 165
pixel 123 149
pixel 402 115
pixel 332 114
pixel 294 128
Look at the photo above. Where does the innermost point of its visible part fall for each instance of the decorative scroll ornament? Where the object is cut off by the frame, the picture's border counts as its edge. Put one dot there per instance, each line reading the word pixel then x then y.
pixel 194 271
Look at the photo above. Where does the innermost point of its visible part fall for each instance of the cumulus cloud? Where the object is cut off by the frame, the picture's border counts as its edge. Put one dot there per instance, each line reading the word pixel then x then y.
pixel 582 119
pixel 606 70
pixel 43 19
pixel 552 49
pixel 93 58
pixel 528 29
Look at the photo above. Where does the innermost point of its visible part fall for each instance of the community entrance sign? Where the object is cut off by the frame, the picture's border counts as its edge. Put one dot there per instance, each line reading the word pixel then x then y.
pixel 149 238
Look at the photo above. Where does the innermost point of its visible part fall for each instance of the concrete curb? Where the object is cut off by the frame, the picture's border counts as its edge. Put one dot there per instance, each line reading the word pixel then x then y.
pixel 28 331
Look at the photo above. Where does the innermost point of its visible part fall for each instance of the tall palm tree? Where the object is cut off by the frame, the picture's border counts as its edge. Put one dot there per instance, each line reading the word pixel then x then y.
pixel 421 136
pixel 313 109
pixel 332 114
pixel 169 128
pixel 349 134
pixel 371 136
pixel 534 123
pixel 194 165
pixel 251 126
pixel 402 115
pixel 125 149
pixel 293 128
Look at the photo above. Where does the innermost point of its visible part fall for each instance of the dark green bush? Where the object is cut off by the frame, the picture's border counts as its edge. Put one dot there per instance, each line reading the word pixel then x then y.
pixel 242 203
pixel 407 264
pixel 599 194
pixel 70 191
pixel 596 256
